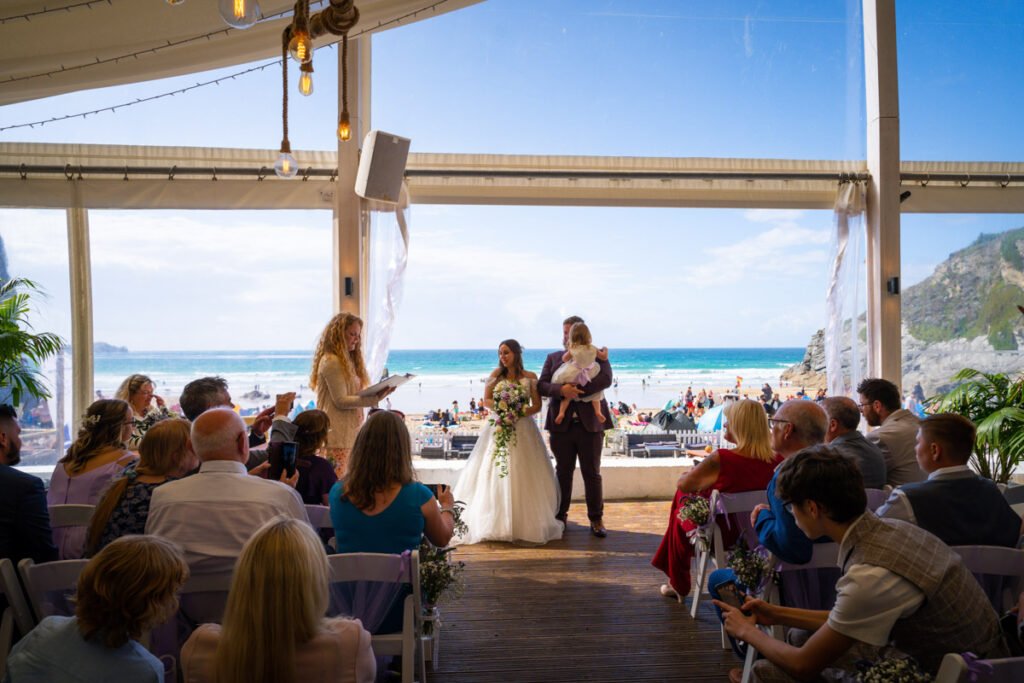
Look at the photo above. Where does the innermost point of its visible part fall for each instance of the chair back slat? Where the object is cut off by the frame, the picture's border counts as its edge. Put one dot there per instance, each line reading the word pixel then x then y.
pixel 51 585
pixel 954 670
pixel 319 516
pixel 70 515
pixel 876 497
pixel 11 589
pixel 999 571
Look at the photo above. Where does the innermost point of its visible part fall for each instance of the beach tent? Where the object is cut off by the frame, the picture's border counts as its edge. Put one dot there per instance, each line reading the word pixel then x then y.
pixel 711 421
pixel 673 422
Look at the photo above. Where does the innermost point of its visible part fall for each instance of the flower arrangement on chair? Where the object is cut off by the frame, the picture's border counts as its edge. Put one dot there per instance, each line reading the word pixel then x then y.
pixel 891 669
pixel 752 567
pixel 697 511
pixel 440 576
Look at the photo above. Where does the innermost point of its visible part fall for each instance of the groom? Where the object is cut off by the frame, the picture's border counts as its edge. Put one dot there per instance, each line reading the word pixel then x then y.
pixel 579 434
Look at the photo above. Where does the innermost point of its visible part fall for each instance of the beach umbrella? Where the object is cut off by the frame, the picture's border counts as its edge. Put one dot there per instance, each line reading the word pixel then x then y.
pixel 711 421
pixel 668 406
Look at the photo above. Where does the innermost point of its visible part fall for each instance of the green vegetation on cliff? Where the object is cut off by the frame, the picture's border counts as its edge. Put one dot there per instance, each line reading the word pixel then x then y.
pixel 973 293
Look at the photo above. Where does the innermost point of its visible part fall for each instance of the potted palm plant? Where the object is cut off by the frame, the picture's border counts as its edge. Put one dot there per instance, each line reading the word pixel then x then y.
pixel 994 402
pixel 22 351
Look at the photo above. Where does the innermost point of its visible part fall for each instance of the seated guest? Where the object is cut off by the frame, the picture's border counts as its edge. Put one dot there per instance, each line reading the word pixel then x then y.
pixel 900 585
pixel 24 519
pixel 379 507
pixel 896 431
pixel 200 395
pixel 273 627
pixel 165 454
pixel 123 592
pixel 213 513
pixel 97 456
pixel 954 503
pixel 137 391
pixel 843 436
pixel 748 467
pixel 316 475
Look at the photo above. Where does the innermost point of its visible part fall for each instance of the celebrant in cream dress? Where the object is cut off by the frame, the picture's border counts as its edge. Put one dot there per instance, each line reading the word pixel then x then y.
pixel 514 498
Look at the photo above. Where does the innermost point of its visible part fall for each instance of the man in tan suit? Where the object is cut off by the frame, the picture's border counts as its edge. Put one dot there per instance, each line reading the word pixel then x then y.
pixel 896 433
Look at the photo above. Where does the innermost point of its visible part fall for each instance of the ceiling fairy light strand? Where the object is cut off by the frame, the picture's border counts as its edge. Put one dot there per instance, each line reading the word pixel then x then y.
pixel 141 100
pixel 138 53
pixel 27 16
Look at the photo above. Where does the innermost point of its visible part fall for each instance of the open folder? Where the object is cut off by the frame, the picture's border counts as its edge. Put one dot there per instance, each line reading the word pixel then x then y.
pixel 392 381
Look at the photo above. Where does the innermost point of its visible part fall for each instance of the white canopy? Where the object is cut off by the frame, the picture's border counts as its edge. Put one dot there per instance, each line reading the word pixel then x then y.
pixel 113 42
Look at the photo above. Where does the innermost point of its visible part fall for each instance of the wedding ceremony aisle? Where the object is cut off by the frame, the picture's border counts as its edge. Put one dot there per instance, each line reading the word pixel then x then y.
pixel 577 609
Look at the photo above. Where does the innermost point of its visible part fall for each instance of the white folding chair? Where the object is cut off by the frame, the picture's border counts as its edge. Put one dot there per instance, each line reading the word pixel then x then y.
pixel 70 515
pixel 17 614
pixel 378 567
pixel 999 571
pixel 793 579
pixel 319 516
pixel 51 585
pixel 201 601
pixel 954 669
pixel 737 507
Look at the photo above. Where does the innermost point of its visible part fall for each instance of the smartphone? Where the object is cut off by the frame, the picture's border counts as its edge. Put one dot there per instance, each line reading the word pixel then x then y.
pixel 289 449
pixel 436 489
pixel 730 594
pixel 281 455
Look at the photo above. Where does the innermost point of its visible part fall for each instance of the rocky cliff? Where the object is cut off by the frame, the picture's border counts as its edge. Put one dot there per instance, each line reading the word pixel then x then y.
pixel 962 315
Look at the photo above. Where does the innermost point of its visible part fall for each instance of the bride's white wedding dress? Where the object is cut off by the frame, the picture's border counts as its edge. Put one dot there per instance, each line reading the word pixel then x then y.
pixel 518 507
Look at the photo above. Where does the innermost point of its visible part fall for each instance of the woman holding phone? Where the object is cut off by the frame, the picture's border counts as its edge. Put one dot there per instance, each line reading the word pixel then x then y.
pixel 337 376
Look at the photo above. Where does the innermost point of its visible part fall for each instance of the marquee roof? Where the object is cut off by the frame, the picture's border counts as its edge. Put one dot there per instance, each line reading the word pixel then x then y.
pixel 98 43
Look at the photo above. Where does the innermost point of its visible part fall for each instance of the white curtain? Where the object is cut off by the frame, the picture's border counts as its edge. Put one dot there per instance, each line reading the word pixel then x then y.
pixel 845 332
pixel 389 253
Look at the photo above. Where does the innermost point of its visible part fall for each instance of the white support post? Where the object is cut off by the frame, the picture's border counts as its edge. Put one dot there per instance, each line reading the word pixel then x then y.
pixel 79 263
pixel 350 276
pixel 883 196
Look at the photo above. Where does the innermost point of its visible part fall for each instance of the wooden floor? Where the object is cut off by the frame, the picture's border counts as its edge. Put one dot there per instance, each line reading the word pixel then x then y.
pixel 579 609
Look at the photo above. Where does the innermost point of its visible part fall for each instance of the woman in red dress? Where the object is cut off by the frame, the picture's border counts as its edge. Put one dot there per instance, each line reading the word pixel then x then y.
pixel 748 467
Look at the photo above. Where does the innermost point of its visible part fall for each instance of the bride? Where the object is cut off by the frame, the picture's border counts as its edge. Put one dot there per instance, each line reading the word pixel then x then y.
pixel 522 505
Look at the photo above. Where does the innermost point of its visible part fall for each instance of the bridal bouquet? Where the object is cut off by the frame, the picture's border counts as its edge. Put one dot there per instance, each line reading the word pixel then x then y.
pixel 510 402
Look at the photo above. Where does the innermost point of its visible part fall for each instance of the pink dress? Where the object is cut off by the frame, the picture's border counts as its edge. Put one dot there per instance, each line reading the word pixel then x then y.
pixel 341 653
pixel 83 489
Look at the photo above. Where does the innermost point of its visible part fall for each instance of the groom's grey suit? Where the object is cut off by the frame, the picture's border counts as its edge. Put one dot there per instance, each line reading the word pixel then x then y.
pixel 580 434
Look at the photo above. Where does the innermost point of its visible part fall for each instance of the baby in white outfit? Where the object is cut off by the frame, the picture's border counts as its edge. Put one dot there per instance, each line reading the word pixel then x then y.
pixel 579 366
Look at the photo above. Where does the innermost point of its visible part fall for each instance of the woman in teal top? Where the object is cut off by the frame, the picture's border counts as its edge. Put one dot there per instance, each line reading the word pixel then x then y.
pixel 378 507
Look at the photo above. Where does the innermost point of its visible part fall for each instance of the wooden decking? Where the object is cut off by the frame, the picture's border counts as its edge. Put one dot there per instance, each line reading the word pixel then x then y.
pixel 579 609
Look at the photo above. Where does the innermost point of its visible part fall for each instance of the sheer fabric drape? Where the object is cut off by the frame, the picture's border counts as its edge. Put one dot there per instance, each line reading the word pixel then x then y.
pixel 388 240
pixel 844 333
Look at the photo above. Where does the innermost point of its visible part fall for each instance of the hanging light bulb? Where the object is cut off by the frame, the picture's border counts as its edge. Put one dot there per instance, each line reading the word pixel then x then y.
pixel 286 167
pixel 239 13
pixel 175 2
pixel 344 127
pixel 300 47
pixel 306 79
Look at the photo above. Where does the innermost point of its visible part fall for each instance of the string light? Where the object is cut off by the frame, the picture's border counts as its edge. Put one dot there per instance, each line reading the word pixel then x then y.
pixel 85 4
pixel 56 119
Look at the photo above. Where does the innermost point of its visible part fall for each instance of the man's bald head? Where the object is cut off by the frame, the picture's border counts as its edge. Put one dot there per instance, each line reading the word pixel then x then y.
pixel 798 424
pixel 219 434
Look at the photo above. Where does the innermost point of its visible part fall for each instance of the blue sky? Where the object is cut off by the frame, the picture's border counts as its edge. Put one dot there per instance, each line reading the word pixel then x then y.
pixel 780 79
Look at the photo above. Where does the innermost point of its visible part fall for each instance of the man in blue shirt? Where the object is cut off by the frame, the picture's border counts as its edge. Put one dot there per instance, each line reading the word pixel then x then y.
pixel 796 425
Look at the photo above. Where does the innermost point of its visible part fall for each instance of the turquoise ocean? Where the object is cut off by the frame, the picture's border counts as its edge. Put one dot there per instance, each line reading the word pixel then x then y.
pixel 646 377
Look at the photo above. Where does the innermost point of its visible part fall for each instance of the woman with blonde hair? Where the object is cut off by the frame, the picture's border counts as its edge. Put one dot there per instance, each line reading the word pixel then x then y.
pixel 273 629
pixel 337 376
pixel 747 467
pixel 97 457
pixel 165 454
pixel 127 589
pixel 137 391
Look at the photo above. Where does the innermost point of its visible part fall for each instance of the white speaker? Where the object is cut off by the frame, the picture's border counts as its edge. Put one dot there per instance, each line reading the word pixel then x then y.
pixel 382 166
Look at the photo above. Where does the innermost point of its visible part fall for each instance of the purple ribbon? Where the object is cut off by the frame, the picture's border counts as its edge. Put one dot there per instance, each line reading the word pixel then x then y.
pixel 976 667
pixel 583 378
